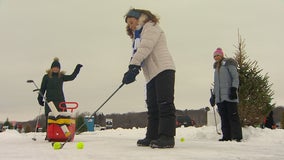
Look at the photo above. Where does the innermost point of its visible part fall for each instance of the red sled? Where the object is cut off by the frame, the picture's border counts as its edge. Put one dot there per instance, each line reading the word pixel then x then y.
pixel 62 126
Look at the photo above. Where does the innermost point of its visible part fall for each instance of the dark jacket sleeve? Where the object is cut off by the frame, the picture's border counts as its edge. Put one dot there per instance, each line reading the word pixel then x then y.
pixel 73 75
pixel 43 86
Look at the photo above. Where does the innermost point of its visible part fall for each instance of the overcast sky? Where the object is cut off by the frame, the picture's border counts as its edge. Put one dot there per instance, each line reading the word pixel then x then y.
pixel 92 32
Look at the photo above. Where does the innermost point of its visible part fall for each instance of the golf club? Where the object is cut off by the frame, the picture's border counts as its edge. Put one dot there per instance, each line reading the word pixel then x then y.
pixel 69 138
pixel 37 121
pixel 38 117
pixel 215 115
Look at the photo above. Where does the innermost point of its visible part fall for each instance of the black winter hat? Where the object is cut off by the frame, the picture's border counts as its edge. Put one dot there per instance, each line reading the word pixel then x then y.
pixel 55 63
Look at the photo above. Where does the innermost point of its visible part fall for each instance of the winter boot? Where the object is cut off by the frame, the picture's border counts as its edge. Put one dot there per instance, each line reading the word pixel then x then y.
pixel 224 139
pixel 238 140
pixel 163 142
pixel 144 142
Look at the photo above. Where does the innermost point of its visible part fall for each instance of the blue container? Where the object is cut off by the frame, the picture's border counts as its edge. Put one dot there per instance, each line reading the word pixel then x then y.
pixel 90 123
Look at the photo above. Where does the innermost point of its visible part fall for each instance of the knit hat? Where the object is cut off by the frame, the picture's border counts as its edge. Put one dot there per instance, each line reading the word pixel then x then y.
pixel 55 63
pixel 219 52
pixel 132 13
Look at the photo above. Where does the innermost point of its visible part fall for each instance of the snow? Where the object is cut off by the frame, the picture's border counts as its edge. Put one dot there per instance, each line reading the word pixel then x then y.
pixel 120 144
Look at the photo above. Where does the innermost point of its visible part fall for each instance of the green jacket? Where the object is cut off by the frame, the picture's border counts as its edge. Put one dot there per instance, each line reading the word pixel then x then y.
pixel 52 86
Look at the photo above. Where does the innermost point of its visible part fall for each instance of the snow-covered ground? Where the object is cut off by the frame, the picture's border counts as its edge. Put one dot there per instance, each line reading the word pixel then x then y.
pixel 120 144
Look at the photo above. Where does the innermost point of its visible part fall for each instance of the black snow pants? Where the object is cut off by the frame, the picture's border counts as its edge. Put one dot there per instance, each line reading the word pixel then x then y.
pixel 160 105
pixel 230 121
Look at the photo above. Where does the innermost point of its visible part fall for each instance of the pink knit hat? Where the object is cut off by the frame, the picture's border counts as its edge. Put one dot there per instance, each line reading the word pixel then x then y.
pixel 218 51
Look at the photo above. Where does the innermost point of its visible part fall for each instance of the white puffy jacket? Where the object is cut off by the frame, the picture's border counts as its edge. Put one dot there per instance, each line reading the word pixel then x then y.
pixel 152 54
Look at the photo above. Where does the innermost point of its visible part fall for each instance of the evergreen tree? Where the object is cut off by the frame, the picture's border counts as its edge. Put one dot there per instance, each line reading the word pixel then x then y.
pixel 255 92
pixel 7 123
pixel 80 121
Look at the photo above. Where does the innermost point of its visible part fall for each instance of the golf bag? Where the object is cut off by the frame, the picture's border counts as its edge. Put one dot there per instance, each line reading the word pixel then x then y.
pixel 61 125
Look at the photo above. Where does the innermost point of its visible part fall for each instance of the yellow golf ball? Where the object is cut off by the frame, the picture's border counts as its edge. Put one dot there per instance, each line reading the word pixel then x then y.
pixel 182 139
pixel 56 145
pixel 80 145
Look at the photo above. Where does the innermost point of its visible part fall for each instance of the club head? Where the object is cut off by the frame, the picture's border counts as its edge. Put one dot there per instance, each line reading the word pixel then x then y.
pixel 36 90
pixel 207 109
pixel 61 146
pixel 30 81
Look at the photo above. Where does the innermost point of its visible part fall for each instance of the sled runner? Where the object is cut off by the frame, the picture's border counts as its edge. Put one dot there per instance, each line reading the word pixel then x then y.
pixel 61 125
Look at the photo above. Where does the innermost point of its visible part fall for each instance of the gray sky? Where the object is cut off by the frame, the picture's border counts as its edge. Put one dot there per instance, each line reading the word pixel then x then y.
pixel 92 32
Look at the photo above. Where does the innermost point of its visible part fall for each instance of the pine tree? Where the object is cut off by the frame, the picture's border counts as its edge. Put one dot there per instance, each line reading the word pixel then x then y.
pixel 7 123
pixel 80 121
pixel 255 92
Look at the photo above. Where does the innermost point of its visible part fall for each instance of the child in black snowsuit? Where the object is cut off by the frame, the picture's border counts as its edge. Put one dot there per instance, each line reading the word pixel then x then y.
pixel 269 121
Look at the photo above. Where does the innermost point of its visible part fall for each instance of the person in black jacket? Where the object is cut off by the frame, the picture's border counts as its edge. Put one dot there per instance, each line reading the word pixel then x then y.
pixel 269 121
pixel 52 85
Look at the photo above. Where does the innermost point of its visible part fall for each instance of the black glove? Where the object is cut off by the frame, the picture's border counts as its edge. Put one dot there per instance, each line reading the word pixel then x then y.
pixel 233 93
pixel 40 100
pixel 129 76
pixel 77 69
pixel 212 100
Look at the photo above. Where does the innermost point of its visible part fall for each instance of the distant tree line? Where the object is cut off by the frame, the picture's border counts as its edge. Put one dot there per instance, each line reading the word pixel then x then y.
pixel 139 119
pixel 134 120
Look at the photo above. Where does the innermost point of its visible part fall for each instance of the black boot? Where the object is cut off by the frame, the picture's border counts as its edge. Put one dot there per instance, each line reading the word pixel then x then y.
pixel 163 142
pixel 224 139
pixel 144 142
pixel 237 139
